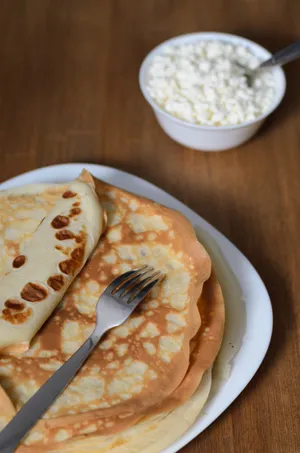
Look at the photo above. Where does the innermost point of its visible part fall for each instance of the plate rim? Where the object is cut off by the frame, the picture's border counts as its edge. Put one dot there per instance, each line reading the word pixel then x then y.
pixel 217 236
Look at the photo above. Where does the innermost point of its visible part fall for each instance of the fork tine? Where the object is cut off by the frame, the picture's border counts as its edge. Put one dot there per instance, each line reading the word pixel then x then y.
pixel 125 287
pixel 138 297
pixel 122 279
pixel 135 290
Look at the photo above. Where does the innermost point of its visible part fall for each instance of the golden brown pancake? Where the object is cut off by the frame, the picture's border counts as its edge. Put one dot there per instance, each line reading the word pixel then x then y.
pixel 142 362
pixel 168 421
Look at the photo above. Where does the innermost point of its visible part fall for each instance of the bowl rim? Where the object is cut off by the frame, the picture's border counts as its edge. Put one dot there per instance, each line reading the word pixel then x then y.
pixel 192 37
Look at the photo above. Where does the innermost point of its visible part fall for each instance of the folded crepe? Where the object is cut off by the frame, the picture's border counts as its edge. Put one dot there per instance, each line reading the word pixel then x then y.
pixel 40 268
pixel 150 364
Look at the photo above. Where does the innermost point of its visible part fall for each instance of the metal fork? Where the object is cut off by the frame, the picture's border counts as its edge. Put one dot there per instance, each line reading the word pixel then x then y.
pixel 283 56
pixel 115 305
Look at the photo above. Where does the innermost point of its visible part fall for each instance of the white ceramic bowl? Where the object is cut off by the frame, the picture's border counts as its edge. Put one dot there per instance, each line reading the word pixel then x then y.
pixel 209 138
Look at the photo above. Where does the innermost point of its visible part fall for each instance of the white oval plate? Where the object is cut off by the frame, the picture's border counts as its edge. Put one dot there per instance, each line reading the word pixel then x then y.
pixel 249 316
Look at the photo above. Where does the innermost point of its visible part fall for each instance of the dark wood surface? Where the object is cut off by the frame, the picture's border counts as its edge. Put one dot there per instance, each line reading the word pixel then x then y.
pixel 69 93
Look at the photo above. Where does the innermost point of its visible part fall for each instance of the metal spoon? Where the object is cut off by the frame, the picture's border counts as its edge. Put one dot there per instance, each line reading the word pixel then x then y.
pixel 289 53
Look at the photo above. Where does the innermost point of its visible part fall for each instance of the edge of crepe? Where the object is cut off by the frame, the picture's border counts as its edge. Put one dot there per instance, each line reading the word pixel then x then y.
pixel 196 368
pixel 29 189
pixel 34 188
pixel 234 309
pixel 151 435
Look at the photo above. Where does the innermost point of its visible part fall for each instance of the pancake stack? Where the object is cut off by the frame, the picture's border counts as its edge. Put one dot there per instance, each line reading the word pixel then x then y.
pixel 149 378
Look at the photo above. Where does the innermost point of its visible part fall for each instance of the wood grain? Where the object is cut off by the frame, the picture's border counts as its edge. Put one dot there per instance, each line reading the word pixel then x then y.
pixel 69 93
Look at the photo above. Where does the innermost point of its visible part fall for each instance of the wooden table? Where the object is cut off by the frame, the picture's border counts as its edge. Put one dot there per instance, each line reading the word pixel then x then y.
pixel 69 93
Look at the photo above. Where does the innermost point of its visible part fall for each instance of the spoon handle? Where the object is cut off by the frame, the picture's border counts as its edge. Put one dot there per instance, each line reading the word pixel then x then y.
pixel 289 53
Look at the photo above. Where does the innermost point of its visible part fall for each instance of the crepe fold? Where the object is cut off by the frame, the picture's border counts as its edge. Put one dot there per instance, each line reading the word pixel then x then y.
pixel 41 266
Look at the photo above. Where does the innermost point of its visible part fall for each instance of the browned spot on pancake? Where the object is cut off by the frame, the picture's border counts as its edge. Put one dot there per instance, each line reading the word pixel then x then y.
pixel 56 282
pixel 118 443
pixel 66 267
pixel 69 194
pixel 79 239
pixel 60 221
pixel 69 266
pixel 33 292
pixel 77 255
pixel 64 235
pixel 19 261
pixel 14 313
pixel 75 211
pixel 14 304
pixel 58 247
pixel 14 317
pixel 77 203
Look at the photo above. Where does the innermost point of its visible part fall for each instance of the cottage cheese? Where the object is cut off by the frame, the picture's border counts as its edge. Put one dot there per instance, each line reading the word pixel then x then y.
pixel 203 83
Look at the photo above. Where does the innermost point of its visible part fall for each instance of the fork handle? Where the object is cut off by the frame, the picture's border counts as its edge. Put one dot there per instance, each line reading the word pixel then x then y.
pixel 283 56
pixel 32 411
